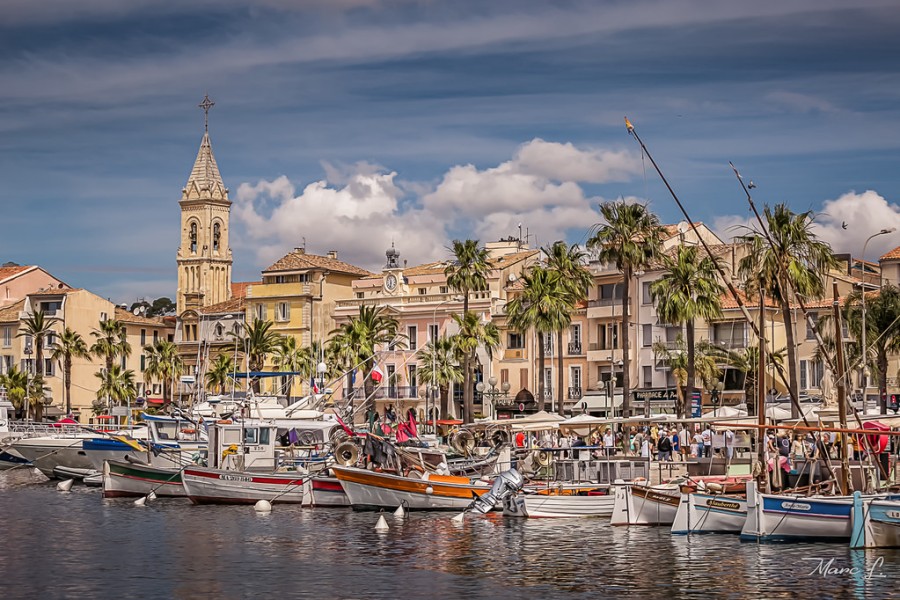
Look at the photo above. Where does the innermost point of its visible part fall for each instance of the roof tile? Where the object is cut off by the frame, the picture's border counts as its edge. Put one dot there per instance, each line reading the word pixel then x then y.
pixel 299 261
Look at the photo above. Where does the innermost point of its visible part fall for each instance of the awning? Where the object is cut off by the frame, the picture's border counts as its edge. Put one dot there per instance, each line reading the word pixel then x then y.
pixel 599 402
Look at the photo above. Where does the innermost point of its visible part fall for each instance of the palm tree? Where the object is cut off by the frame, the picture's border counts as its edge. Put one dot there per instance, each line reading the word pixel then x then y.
pixel 16 384
pixel 38 392
pixel 468 273
pixel 439 361
pixel 472 334
pixel 688 289
pixel 356 341
pixel 745 360
pixel 219 372
pixel 882 331
pixel 542 305
pixel 575 281
pixel 164 364
pixel 117 384
pixel 259 341
pixel 38 326
pixel 70 345
pixel 631 239
pixel 289 356
pixel 795 262
pixel 110 341
pixel 678 360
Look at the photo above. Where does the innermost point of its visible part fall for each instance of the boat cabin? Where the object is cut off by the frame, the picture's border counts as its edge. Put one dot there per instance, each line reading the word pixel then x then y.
pixel 242 447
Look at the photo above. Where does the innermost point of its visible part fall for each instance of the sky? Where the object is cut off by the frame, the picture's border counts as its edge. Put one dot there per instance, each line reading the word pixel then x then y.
pixel 349 125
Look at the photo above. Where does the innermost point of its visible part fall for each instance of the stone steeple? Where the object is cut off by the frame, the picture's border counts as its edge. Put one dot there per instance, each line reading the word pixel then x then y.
pixel 205 182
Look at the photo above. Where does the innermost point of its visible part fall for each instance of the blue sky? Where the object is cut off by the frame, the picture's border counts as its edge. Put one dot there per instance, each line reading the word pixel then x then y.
pixel 351 123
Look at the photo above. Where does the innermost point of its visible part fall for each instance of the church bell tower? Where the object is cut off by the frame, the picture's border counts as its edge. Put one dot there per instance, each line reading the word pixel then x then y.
pixel 204 258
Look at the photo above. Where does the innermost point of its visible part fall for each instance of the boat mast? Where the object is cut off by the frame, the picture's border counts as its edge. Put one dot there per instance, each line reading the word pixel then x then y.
pixel 841 390
pixel 761 438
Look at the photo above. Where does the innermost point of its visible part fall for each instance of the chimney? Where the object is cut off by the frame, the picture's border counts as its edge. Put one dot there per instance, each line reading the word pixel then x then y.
pixel 332 254
pixel 300 250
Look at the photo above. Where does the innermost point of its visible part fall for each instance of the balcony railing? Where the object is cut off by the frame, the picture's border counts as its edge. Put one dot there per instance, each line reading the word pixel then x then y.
pixel 574 348
pixel 575 393
pixel 548 349
pixel 604 302
pixel 730 344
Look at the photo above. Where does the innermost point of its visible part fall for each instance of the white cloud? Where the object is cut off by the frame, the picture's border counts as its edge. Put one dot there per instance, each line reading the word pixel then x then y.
pixel 565 162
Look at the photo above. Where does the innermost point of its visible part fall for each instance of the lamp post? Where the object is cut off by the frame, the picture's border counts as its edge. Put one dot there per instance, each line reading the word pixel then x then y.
pixel 320 369
pixel 882 404
pixel 28 352
pixel 492 393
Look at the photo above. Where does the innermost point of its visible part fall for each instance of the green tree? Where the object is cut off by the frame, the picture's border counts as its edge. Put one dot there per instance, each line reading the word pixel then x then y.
pixel 676 358
pixel 746 361
pixel 795 262
pixel 688 289
pixel 110 341
pixel 164 364
pixel 290 356
pixel 882 331
pixel 473 333
pixel 116 384
pixel 258 341
pixel 219 372
pixel 541 305
pixel 358 340
pixel 630 238
pixel 16 384
pixel 38 326
pixel 468 273
pixel 439 362
pixel 69 346
pixel 575 282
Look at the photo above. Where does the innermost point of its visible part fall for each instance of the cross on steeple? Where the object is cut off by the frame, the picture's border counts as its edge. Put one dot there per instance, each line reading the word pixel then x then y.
pixel 206 105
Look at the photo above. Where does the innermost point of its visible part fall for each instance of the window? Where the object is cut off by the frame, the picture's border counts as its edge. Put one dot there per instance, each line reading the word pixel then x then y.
pixel 304 278
pixel 672 333
pixel 504 376
pixel 412 332
pixel 281 279
pixel 523 379
pixel 575 334
pixel 575 377
pixel 143 363
pixel 548 381
pixel 810 329
pixel 423 291
pixel 282 311
pixel 156 335
pixel 170 337
pixel 360 295
pixel 610 291
pixel 646 335
pixel 103 316
pixel 261 312
pixel 217 235
pixel 811 374
pixel 143 337
pixel 7 337
pixel 251 435
pixel 646 298
pixel 220 331
pixel 411 378
pixel 122 362
pixel 515 341
pixel 647 376
pixel 433 332
pixel 614 335
pixel 193 237
pixel 50 340
pixel 51 308
pixel 48 367
pixel 445 289
pixel 730 334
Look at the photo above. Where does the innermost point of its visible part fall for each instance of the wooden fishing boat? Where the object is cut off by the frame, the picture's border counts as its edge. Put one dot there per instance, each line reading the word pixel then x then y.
pixel 130 479
pixel 876 523
pixel 372 490
pixel 643 505
pixel 562 500
pixel 710 513
pixel 205 485
pixel 328 491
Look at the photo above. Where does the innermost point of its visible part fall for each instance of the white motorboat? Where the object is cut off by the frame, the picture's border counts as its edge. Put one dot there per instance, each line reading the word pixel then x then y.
pixel 562 500
pixel 48 452
pixel 643 505
pixel 709 513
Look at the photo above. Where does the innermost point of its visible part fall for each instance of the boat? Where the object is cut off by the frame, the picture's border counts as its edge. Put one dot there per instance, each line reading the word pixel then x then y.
pixel 47 453
pixel 700 512
pixel 644 505
pixel 562 500
pixel 368 490
pixel 124 478
pixel 205 485
pixel 328 491
pixel 876 523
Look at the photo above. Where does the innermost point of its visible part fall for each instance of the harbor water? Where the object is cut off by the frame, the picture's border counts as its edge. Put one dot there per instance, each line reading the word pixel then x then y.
pixel 78 545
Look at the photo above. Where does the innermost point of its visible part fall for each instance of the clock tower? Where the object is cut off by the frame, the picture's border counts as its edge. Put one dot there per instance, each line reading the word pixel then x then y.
pixel 393 273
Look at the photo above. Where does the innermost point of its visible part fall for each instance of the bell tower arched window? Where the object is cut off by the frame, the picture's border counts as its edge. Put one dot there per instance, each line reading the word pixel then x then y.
pixel 193 237
pixel 217 234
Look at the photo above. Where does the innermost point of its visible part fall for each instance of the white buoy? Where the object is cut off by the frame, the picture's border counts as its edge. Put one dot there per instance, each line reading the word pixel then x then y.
pixel 459 518
pixel 400 513
pixel 65 486
pixel 263 506
pixel 429 490
pixel 381 525
pixel 151 496
pixel 141 501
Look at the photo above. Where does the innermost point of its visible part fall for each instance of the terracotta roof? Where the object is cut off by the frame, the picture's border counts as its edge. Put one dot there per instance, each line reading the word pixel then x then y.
pixel 892 255
pixel 7 272
pixel 239 288
pixel 126 316
pixel 729 302
pixel 300 261
pixel 437 268
pixel 55 292
pixel 10 314
pixel 501 262
pixel 229 306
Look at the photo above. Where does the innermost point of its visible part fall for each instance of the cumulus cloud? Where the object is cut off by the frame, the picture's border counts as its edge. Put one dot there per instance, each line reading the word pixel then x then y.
pixel 360 209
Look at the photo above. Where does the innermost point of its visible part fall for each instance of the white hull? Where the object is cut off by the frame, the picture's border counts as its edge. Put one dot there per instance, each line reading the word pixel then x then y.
pixel 123 480
pixel 48 453
pixel 328 491
pixel 367 490
pixel 707 513
pixel 876 523
pixel 212 486
pixel 637 505
pixel 367 496
pixel 549 506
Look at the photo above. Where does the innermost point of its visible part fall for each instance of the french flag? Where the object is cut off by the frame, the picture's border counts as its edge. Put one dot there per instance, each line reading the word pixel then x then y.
pixel 377 374
pixel 313 386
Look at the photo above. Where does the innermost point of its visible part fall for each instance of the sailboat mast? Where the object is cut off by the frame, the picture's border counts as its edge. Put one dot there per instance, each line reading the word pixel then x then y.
pixel 761 439
pixel 841 390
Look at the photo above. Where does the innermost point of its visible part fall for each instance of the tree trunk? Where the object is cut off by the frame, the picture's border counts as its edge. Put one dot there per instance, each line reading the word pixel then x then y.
pixel 468 395
pixel 540 386
pixel 39 355
pixel 561 406
pixel 882 381
pixel 445 404
pixel 368 390
pixel 793 365
pixel 691 366
pixel 626 362
pixel 67 372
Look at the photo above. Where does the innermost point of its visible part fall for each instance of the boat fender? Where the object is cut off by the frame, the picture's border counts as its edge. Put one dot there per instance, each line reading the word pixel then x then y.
pixel 715 487
pixel 223 422
pixel 189 430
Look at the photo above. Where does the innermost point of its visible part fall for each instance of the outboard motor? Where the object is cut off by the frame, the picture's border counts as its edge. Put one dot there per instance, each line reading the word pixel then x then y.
pixel 506 484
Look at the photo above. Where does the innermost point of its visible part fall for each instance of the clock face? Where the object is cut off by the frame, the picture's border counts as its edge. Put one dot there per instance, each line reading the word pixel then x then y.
pixel 390 282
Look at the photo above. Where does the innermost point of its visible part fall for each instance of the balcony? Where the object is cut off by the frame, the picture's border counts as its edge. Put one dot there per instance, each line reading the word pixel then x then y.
pixel 548 349
pixel 605 308
pixel 575 349
pixel 514 354
pixel 575 393
pixel 730 344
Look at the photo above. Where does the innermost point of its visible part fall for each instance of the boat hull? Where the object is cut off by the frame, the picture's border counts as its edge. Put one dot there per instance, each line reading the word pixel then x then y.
pixel 328 491
pixel 786 518
pixel 639 505
pixel 213 486
pixel 368 490
pixel 876 523
pixel 558 505
pixel 122 479
pixel 708 513
pixel 46 454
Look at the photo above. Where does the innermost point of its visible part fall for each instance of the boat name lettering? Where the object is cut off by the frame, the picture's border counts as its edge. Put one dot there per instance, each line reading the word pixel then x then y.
pixel 235 478
pixel 795 506
pixel 723 504
pixel 892 514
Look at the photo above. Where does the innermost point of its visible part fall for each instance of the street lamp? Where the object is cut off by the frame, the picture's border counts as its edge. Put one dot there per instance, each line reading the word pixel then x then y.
pixel 28 352
pixel 882 405
pixel 492 393
pixel 320 369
